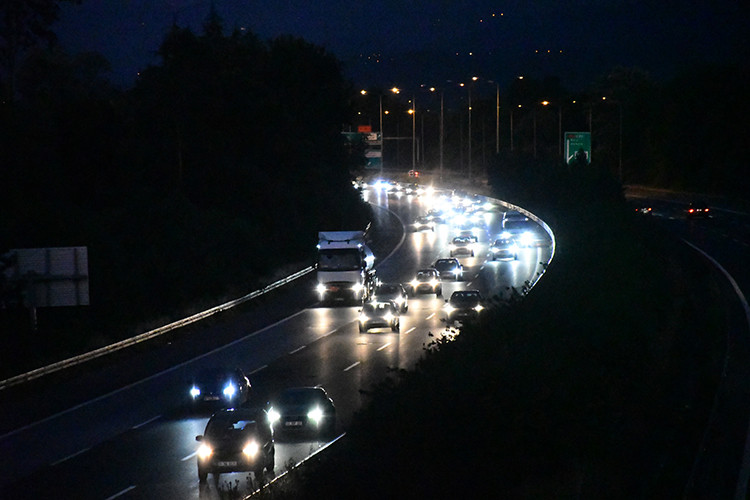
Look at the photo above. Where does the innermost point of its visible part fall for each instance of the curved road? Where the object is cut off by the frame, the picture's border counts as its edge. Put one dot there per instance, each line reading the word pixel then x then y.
pixel 121 429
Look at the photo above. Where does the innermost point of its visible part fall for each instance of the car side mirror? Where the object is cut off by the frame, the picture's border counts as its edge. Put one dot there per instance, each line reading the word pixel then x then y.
pixel 199 438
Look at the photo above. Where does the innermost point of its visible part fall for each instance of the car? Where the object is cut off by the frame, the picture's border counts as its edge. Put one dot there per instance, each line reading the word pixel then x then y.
pixel 449 268
pixel 504 247
pixel 422 223
pixel 303 411
pixel 393 292
pixel 463 305
pixel 512 216
pixel 469 233
pixel 643 210
pixel 462 245
pixel 697 209
pixel 220 386
pixel 426 280
pixel 435 215
pixel 379 314
pixel 236 440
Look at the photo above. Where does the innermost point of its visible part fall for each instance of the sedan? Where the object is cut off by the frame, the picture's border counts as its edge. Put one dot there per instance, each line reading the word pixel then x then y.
pixel 379 315
pixel 449 268
pixel 426 281
pixel 236 440
pixel 423 223
pixel 461 245
pixel 504 248
pixel 393 292
pixel 303 410
pixel 697 209
pixel 220 386
pixel 463 305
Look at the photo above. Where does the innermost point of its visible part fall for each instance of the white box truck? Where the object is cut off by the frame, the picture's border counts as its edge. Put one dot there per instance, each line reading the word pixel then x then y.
pixel 345 267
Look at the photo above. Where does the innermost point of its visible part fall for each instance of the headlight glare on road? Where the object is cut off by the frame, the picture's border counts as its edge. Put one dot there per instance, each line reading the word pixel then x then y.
pixel 230 390
pixel 251 449
pixel 204 451
pixel 195 392
pixel 316 415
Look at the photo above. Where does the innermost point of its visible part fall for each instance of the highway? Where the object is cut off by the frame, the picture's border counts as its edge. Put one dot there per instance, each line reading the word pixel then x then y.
pixel 123 429
pixel 722 464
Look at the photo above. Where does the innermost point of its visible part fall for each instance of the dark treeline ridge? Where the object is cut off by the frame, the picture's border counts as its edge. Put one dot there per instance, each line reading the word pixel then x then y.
pixel 597 384
pixel 217 168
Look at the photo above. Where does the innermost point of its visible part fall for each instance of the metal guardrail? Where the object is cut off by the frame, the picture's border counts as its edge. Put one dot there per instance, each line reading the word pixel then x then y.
pixel 67 363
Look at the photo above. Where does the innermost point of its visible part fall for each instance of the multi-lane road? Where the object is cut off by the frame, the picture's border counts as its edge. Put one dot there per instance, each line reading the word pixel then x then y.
pixel 123 430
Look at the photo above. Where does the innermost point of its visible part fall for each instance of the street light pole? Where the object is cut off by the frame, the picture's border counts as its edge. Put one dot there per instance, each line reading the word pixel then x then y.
pixel 413 132
pixel 382 138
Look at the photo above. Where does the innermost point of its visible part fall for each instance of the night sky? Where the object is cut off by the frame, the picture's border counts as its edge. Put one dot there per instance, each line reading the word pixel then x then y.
pixel 405 43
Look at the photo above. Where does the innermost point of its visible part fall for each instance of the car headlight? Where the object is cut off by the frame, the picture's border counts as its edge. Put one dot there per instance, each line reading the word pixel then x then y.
pixel 357 287
pixel 434 282
pixel 251 449
pixel 457 272
pixel 320 288
pixel 273 416
pixel 414 283
pixel 315 415
pixel 388 317
pixel 230 390
pixel 478 307
pixel 195 392
pixel 204 451
pixel 449 308
pixel 363 317
pixel 399 301
pixel 451 247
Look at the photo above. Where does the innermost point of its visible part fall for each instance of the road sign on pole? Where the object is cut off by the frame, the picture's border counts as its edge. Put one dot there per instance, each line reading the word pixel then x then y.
pixel 577 144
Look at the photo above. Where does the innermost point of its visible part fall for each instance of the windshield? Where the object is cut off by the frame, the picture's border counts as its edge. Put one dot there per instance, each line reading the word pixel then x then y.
pixel 345 259
pixel 224 428
pixel 298 397
pixel 465 298
pixel 444 265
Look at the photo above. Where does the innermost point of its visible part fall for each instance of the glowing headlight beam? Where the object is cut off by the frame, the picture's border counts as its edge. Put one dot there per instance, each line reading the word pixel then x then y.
pixel 251 449
pixel 316 415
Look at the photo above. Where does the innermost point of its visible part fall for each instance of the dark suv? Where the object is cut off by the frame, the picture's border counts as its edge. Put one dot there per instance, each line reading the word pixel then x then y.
pixel 236 440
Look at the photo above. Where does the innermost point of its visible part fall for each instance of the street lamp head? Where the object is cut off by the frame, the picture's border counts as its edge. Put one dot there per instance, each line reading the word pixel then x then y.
pixel 395 90
pixel 545 103
pixel 363 92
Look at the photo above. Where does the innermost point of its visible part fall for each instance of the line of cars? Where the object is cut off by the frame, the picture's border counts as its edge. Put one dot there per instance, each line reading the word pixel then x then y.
pixel 240 435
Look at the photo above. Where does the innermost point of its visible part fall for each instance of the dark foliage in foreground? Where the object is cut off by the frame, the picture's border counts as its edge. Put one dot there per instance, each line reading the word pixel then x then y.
pixel 579 390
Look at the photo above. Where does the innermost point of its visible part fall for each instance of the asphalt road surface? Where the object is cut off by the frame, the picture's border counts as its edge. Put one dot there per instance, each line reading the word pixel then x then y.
pixel 123 429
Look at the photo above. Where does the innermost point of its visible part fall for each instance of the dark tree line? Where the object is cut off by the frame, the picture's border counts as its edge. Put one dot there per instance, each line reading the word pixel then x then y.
pixel 219 165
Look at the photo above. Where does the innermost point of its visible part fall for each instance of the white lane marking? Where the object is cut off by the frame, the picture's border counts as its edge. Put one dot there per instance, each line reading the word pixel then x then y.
pixel 146 422
pixel 121 493
pixel 185 459
pixel 430 316
pixel 258 369
pixel 151 377
pixel 351 366
pixel 384 346
pixel 407 332
pixel 70 456
pixel 297 349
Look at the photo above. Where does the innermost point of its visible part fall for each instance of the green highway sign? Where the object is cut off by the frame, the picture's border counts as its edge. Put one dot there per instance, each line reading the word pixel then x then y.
pixel 577 144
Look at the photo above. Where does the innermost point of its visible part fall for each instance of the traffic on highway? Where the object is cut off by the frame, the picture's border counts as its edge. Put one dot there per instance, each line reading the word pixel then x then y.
pixel 297 368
